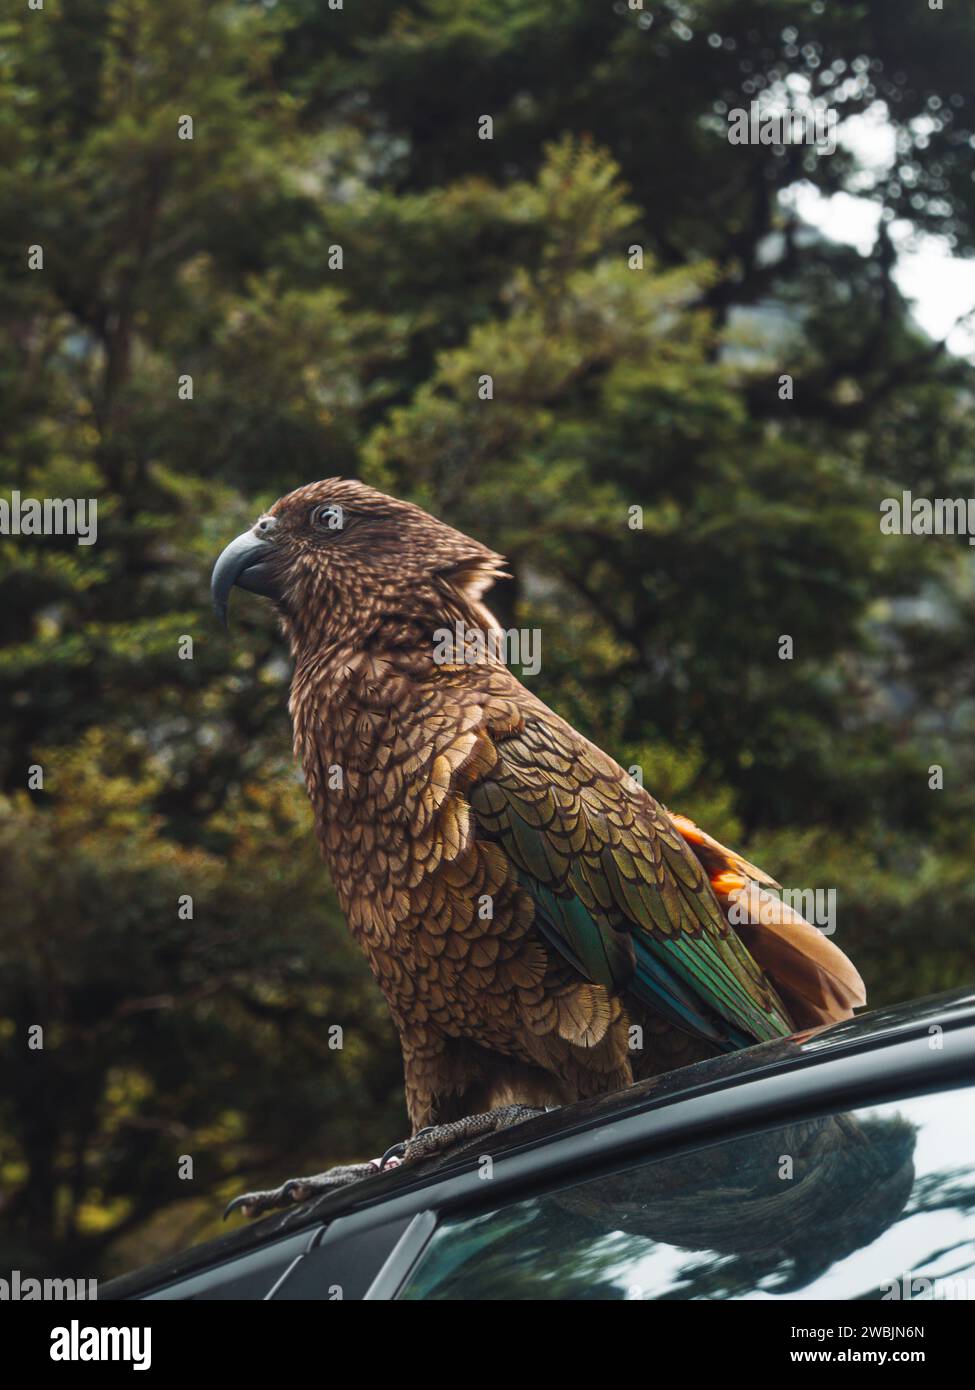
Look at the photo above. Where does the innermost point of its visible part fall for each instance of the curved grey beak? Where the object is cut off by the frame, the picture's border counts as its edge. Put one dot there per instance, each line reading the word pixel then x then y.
pixel 246 563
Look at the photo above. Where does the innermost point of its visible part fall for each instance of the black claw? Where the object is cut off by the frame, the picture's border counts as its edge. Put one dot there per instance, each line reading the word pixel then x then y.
pixel 394 1151
pixel 245 1199
pixel 297 1190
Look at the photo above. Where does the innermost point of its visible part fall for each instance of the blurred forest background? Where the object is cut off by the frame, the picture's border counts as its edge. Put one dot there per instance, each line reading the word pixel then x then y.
pixel 615 386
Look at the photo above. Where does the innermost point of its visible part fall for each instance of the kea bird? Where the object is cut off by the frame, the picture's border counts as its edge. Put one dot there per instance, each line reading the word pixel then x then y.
pixel 542 929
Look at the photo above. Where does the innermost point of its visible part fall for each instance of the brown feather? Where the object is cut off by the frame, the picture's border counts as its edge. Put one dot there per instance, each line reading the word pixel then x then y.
pixel 817 982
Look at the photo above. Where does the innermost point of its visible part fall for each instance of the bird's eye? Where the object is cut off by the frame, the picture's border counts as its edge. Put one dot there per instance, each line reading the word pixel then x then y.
pixel 328 518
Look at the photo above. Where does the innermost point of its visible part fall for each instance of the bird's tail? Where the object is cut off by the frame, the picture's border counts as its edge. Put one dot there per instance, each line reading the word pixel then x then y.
pixel 817 983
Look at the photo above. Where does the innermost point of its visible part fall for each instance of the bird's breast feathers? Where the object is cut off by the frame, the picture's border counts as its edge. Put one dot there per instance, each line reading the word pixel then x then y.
pixel 479 843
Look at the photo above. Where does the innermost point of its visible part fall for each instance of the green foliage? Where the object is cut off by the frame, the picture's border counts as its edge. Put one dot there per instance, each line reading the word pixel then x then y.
pixel 614 388
pixel 167 1033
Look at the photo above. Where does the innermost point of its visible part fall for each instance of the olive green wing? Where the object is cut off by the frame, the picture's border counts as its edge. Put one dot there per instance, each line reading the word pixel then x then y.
pixel 616 889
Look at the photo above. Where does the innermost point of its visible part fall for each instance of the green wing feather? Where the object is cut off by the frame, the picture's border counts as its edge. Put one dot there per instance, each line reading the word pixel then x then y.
pixel 616 888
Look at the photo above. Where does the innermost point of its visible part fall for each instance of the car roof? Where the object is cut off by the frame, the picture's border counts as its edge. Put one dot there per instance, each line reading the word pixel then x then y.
pixel 867 1033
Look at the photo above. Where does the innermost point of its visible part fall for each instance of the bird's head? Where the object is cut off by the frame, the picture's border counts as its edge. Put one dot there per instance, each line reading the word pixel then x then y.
pixel 339 558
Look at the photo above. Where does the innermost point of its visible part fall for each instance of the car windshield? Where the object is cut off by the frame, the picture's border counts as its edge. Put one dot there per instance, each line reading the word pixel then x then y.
pixel 878 1203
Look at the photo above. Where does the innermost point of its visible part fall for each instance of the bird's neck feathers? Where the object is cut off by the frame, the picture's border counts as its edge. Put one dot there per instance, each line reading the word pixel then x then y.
pixel 357 669
pixel 340 609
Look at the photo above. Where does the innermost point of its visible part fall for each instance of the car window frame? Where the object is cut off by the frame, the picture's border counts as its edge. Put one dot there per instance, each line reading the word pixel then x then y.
pixel 892 1073
pixel 870 1070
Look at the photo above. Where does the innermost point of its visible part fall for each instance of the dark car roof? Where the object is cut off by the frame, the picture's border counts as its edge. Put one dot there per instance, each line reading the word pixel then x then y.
pixel 870 1032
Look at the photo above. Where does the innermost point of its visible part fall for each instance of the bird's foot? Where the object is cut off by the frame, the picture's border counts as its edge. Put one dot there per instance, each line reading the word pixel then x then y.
pixel 255 1204
pixel 437 1139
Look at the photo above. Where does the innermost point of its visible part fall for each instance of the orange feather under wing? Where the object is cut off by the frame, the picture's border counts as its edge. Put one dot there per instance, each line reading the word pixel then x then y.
pixel 817 982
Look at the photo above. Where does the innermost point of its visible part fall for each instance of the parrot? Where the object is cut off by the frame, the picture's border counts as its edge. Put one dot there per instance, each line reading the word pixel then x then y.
pixel 542 929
